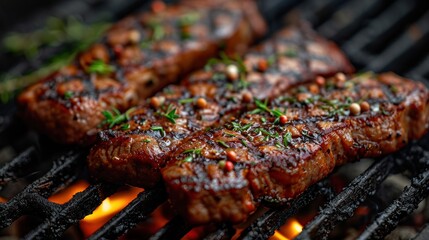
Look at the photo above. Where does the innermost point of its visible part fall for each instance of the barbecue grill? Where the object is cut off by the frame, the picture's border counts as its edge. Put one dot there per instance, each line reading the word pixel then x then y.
pixel 375 35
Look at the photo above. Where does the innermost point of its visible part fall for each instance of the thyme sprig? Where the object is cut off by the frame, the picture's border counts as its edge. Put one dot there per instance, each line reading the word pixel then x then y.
pixel 170 114
pixel 115 117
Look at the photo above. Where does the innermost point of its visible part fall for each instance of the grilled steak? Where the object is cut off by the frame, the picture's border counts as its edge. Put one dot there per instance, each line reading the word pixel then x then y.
pixel 278 149
pixel 134 152
pixel 137 57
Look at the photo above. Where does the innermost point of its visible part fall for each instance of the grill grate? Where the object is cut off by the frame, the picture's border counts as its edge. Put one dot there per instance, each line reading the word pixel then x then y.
pixel 378 36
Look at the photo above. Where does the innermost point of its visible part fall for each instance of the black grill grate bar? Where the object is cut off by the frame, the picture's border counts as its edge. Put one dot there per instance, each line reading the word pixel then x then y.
pixel 63 171
pixel 265 226
pixel 136 211
pixel 225 231
pixel 407 46
pixel 11 171
pixel 77 208
pixel 317 11
pixel 421 71
pixel 344 204
pixel 377 30
pixel 176 228
pixel 347 20
pixel 401 207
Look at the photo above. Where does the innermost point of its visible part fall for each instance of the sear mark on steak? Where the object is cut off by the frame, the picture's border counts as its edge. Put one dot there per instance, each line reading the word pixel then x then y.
pixel 137 57
pixel 217 94
pixel 277 149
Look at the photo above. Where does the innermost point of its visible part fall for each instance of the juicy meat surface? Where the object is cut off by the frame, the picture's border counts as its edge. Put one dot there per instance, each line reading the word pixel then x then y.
pixel 135 151
pixel 276 150
pixel 137 57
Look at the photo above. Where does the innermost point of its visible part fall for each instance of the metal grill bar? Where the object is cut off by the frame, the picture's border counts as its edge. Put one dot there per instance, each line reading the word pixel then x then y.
pixel 77 208
pixel 401 207
pixel 364 43
pixel 63 171
pixel 225 231
pixel 138 210
pixel 264 226
pixel 176 228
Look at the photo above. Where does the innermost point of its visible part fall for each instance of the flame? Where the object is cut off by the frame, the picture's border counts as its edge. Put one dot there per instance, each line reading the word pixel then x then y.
pixel 65 195
pixel 108 208
pixel 289 230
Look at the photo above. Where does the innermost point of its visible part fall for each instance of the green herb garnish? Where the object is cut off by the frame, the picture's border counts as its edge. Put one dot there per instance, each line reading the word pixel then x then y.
pixel 125 126
pixel 186 100
pixel 160 129
pixel 171 114
pixel 193 153
pixel 287 138
pixel 146 140
pixel 222 143
pixel 115 117
pixel 68 95
pixel 100 67
pixel 236 126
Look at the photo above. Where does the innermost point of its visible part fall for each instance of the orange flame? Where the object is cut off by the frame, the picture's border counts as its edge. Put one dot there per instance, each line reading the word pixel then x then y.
pixel 289 230
pixel 108 208
pixel 65 195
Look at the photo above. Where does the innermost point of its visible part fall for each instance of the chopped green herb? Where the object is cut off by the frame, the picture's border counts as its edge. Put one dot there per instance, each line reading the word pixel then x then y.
pixel 115 117
pixel 394 89
pixel 171 114
pixel 160 129
pixel 186 100
pixel 236 126
pixel 385 112
pixel 243 142
pixel 287 138
pixel 100 67
pixel 189 19
pixel 292 53
pixel 192 152
pixel 263 119
pixel 125 126
pixel 222 143
pixel 146 140
pixel 68 95
pixel 230 135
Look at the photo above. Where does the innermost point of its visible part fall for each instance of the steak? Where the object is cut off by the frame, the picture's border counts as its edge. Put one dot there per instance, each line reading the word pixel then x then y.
pixel 277 149
pixel 137 57
pixel 133 152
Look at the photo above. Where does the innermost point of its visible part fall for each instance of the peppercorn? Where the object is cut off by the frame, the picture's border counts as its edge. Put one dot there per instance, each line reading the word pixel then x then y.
pixel 231 155
pixel 229 166
pixel 262 65
pixel 156 101
pixel 201 103
pixel 247 97
pixel 283 119
pixel 320 80
pixel 232 72
pixel 355 109
pixel 364 106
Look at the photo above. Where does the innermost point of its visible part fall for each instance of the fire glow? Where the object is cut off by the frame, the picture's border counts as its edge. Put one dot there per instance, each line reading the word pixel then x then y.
pixel 103 213
pixel 288 231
